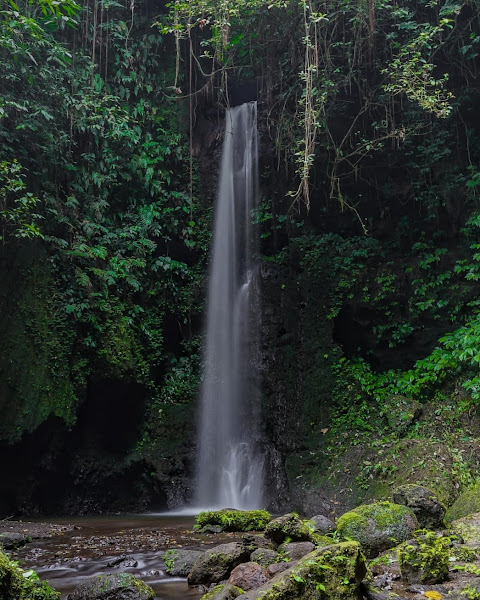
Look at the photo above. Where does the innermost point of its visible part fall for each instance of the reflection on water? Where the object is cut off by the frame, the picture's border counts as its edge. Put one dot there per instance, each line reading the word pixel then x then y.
pixel 97 542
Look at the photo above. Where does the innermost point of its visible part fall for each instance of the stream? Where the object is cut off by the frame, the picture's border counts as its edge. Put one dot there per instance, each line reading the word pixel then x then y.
pixel 96 543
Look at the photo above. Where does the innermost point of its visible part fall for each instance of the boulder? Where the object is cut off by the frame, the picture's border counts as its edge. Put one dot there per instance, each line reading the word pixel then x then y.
pixel 179 562
pixel 224 591
pixel 276 568
pixel 252 542
pixel 288 526
pixel 217 563
pixel 264 556
pixel 466 504
pixel 468 528
pixel 425 505
pixel 118 586
pixel 10 540
pixel 425 559
pixel 378 527
pixel 331 572
pixel 322 525
pixel 296 550
pixel 122 562
pixel 248 576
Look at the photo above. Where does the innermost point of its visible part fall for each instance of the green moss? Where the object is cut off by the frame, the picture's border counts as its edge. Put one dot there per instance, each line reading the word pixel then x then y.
pixel 17 584
pixel 377 526
pixel 470 593
pixel 466 504
pixel 333 572
pixel 426 559
pixel 289 526
pixel 213 593
pixel 465 554
pixel 38 379
pixel 234 520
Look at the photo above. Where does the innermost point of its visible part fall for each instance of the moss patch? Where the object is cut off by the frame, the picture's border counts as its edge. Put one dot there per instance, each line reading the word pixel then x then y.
pixel 17 584
pixel 425 559
pixel 234 520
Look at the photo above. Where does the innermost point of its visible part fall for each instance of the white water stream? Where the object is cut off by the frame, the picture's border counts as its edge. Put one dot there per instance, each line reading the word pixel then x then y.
pixel 230 466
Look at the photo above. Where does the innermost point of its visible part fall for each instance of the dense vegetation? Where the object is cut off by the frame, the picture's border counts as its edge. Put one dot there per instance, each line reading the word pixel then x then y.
pixel 110 120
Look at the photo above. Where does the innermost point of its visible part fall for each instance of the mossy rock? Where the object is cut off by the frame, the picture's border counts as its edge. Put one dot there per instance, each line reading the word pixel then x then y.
pixel 423 502
pixel 179 562
pixel 468 528
pixel 120 586
pixel 234 520
pixel 264 556
pixel 425 559
pixel 289 526
pixel 224 591
pixel 334 572
pixel 466 504
pixel 17 584
pixel 217 563
pixel 378 527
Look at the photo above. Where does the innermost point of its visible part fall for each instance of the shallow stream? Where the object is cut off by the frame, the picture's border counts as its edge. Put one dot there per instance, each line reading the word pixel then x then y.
pixel 66 559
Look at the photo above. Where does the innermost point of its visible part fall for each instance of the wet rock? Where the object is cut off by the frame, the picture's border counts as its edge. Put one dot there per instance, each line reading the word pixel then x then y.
pixel 296 550
pixel 217 563
pixel 252 542
pixel 224 591
pixel 426 505
pixel 11 540
pixel 122 562
pixel 248 576
pixel 179 563
pixel 264 556
pixel 322 524
pixel 310 579
pixel 211 529
pixel 287 526
pixel 276 568
pixel 119 586
pixel 378 526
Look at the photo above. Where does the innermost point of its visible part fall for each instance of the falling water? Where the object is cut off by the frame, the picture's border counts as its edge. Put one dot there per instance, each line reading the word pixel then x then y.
pixel 230 467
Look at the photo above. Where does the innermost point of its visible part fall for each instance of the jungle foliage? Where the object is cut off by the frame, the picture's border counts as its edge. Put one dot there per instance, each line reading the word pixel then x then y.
pixel 370 172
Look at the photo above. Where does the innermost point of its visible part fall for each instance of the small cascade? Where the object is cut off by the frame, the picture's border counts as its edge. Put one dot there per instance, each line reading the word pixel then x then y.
pixel 230 465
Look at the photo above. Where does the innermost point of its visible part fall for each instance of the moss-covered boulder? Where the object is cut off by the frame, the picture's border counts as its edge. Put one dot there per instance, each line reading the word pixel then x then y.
pixel 468 528
pixel 333 572
pixel 252 542
pixel 288 526
pixel 423 502
pixel 216 564
pixel 378 526
pixel 179 562
pixel 425 559
pixel 233 520
pixel 467 503
pixel 17 584
pixel 264 556
pixel 119 586
pixel 224 591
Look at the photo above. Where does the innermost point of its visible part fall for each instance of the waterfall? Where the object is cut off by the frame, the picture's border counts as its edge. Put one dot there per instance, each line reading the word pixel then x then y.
pixel 230 466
